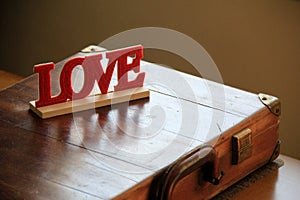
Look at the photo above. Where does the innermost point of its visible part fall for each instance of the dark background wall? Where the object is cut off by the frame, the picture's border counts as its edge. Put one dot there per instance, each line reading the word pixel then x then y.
pixel 255 44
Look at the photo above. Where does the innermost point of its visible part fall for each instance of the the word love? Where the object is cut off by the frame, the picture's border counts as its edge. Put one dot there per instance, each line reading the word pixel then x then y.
pixel 94 71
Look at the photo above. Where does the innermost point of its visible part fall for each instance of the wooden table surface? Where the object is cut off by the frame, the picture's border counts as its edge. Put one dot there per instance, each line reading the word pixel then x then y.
pixel 7 79
pixel 283 183
pixel 280 184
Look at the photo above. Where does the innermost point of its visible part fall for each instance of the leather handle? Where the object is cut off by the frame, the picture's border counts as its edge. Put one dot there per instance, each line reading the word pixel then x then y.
pixel 185 165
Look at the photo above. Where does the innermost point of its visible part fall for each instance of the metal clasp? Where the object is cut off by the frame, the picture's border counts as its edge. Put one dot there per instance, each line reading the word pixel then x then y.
pixel 241 146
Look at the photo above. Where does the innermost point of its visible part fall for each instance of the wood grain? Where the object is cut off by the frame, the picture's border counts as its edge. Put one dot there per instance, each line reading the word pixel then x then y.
pixel 104 153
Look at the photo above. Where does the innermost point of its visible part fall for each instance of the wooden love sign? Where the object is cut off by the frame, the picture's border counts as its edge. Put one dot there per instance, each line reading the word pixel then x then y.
pixel 68 100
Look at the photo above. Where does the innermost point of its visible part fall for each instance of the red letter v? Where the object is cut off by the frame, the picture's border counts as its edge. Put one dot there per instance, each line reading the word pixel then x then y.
pixel 102 77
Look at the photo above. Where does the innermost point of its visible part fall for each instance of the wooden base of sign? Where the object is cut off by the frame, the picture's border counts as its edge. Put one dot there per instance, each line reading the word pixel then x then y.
pixel 89 102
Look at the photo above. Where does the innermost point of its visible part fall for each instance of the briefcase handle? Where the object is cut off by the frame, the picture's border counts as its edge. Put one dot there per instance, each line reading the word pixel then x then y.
pixel 185 165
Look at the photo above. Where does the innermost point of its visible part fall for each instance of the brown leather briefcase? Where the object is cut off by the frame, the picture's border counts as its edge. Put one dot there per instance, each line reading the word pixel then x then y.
pixel 191 139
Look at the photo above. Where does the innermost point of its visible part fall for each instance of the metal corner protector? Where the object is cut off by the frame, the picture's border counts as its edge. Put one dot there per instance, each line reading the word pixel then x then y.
pixel 272 102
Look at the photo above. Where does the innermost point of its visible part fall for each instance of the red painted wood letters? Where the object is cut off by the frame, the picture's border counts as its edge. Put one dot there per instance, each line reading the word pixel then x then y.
pixel 93 71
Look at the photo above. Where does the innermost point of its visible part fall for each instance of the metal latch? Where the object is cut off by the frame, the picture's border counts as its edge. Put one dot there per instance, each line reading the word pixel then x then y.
pixel 241 146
